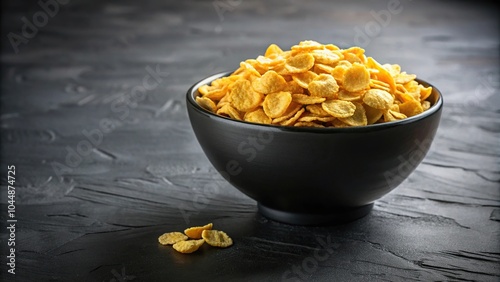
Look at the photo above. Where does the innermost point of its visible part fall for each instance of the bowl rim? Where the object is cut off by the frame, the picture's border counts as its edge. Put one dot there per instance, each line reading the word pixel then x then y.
pixel 190 97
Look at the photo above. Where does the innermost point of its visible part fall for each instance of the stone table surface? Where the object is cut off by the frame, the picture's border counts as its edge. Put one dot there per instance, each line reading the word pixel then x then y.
pixel 102 169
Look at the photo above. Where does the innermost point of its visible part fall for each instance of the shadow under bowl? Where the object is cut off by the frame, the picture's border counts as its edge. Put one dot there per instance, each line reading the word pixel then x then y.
pixel 314 176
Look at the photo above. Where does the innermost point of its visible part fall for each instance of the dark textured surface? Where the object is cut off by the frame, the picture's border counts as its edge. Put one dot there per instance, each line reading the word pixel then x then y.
pixel 97 217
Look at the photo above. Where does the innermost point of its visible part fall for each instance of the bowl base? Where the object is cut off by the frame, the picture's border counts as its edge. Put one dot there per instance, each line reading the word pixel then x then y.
pixel 336 217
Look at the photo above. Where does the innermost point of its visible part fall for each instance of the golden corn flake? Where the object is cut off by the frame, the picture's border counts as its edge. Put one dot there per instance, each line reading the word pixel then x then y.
pixel 275 104
pixel 171 238
pixel 316 85
pixel 391 115
pixel 303 79
pixel 299 63
pixel 206 103
pixel 270 82
pixel 308 117
pixel 339 108
pixel 426 105
pixel 294 88
pixel 306 99
pixel 217 238
pixel 292 109
pixel 339 71
pixel 383 74
pixel 323 86
pixel 229 111
pixel 317 110
pixel 243 97
pixel 372 115
pixel 356 78
pixel 320 68
pixel 307 45
pixel 257 116
pixel 378 99
pixel 199 235
pixel 326 57
pixel 358 118
pixel 308 124
pixel 195 232
pixel 273 51
pixel 403 78
pixel 411 108
pixel 187 247
pixel 293 119
pixel 350 96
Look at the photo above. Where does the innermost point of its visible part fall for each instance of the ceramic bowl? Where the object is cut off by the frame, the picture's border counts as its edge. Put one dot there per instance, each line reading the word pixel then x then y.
pixel 314 176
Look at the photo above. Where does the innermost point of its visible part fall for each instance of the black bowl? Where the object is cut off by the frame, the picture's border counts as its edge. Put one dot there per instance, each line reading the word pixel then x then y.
pixel 312 176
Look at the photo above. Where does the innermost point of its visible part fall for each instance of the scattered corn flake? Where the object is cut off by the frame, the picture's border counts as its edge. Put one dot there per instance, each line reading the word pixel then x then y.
pixel 195 232
pixel 217 238
pixel 171 238
pixel 187 247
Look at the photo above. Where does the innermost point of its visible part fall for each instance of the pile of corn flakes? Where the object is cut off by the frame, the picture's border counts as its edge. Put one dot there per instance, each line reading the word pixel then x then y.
pixel 315 85
pixel 197 235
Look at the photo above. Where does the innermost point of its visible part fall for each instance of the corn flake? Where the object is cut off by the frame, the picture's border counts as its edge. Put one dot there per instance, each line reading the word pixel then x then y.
pixel 306 99
pixel 303 79
pixel 299 63
pixel 356 78
pixel 206 103
pixel 358 118
pixel 187 247
pixel 243 97
pixel 195 232
pixel 339 108
pixel 171 238
pixel 323 86
pixel 378 99
pixel 257 116
pixel 217 238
